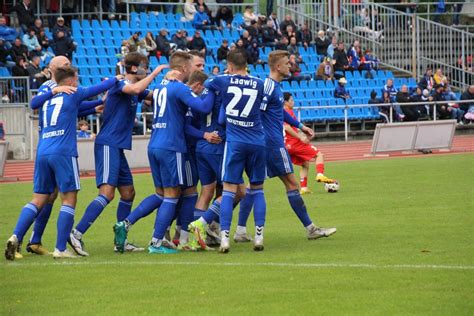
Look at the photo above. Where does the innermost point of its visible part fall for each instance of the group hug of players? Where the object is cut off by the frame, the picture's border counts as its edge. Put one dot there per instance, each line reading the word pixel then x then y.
pixel 209 130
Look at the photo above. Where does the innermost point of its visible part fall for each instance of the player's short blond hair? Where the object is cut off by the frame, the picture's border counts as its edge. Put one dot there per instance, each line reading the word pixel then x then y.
pixel 275 56
pixel 197 76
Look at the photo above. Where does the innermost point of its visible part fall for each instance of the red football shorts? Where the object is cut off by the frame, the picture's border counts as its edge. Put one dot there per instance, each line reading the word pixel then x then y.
pixel 301 152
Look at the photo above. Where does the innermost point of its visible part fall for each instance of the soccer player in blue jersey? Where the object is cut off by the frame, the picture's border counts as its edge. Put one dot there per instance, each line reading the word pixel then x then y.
pixel 115 136
pixel 241 96
pixel 165 150
pixel 278 161
pixel 56 160
pixel 87 107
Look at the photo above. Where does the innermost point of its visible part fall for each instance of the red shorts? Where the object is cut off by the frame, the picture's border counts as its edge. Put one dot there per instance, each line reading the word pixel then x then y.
pixel 301 152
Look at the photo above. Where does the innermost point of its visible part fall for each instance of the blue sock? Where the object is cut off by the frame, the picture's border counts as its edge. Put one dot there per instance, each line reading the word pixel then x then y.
pixel 148 205
pixel 65 223
pixel 260 207
pixel 198 213
pixel 27 217
pixel 186 211
pixel 40 224
pixel 297 204
pixel 213 213
pixel 226 209
pixel 123 209
pixel 245 208
pixel 92 212
pixel 164 217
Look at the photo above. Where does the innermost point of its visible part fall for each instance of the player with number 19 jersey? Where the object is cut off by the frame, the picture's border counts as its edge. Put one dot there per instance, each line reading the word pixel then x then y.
pixel 171 100
pixel 244 150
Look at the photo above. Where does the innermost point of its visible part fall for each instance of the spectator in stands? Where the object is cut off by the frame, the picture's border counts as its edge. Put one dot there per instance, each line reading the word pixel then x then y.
pixel 276 22
pixel 283 43
pixel 31 42
pixel 322 43
pixel 43 39
pixel 201 21
pixel 19 50
pixel 371 64
pixel 357 60
pixel 134 42
pixel 410 112
pixel 61 27
pixel 427 82
pixel 150 44
pixel 440 9
pixel 295 69
pixel 240 46
pixel 125 48
pixel 246 38
pixel 197 43
pixel 163 43
pixel 5 53
pixel 64 46
pixel 305 36
pixel 253 54
pixel 37 75
pixel 199 3
pixel 269 35
pixel 179 39
pixel 421 96
pixel 293 49
pixel 223 51
pixel 83 131
pixel 447 110
pixel 285 23
pixel 38 25
pixel 325 70
pixel 25 14
pixel 7 33
pixel 224 17
pixel 340 91
pixel 254 30
pixel 332 47
pixel 439 78
pixel 189 10
pixel 249 15
pixel 448 92
pixel 392 91
pixel 19 70
pixel 290 32
pixel 342 63
pixel 352 51
pixel 215 70
pixel 383 110
pixel 468 107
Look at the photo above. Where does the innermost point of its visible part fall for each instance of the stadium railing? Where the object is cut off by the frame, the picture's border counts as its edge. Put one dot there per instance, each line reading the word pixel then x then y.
pixel 401 41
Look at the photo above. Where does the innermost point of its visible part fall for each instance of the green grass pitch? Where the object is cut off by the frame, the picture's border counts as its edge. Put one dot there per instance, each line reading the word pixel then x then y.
pixel 405 245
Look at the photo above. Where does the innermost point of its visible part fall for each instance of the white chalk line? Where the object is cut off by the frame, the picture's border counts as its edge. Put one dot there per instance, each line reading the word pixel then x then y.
pixel 78 262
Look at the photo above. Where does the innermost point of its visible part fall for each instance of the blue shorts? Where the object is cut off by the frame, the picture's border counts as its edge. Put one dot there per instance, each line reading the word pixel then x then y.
pixel 239 157
pixel 209 168
pixel 190 170
pixel 278 162
pixel 166 167
pixel 53 171
pixel 111 166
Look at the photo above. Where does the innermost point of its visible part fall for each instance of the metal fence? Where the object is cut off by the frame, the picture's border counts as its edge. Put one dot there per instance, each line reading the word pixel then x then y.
pixel 402 41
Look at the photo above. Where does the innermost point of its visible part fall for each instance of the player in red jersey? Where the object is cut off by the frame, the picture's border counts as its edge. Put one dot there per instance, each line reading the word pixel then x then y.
pixel 301 151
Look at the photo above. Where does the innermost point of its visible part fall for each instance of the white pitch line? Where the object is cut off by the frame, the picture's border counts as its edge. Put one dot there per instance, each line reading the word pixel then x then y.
pixel 73 262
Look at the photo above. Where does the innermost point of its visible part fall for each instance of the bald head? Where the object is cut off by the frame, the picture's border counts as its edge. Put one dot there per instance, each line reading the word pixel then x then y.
pixel 58 62
pixel 471 89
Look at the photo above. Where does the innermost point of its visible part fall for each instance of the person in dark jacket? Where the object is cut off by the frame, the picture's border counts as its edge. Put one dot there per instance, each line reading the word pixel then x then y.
pixel 61 27
pixel 163 43
pixel 224 17
pixel 63 46
pixel 25 14
pixel 269 35
pixel 180 40
pixel 304 36
pixel 19 50
pixel 223 51
pixel 19 70
pixel 322 43
pixel 411 113
pixel 342 63
pixel 197 43
pixel 253 54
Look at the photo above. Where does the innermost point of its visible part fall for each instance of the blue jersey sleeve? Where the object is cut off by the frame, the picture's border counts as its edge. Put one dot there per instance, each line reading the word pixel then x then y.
pixel 40 99
pixel 142 96
pixel 196 103
pixel 290 120
pixel 105 85
pixel 192 131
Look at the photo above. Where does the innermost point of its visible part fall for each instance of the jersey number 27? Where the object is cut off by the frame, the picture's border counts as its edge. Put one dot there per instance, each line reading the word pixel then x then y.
pixel 238 93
